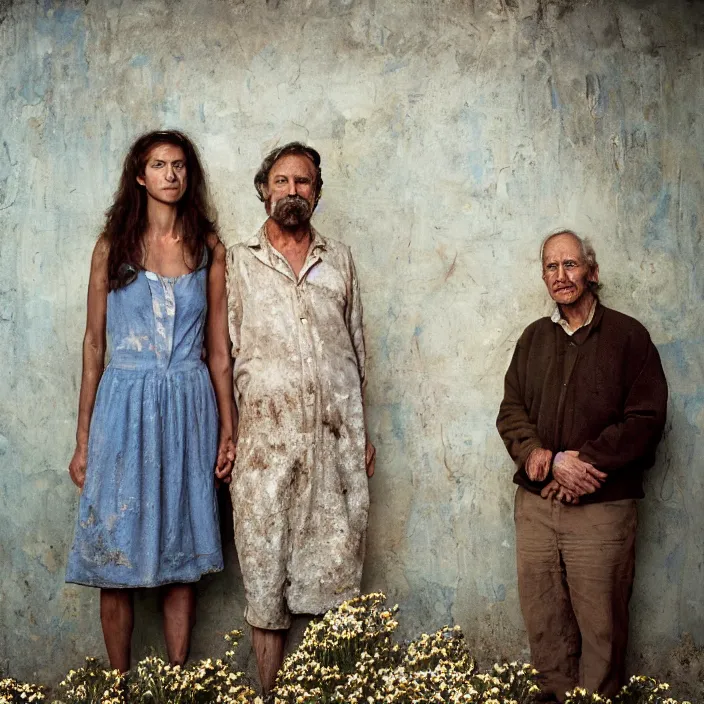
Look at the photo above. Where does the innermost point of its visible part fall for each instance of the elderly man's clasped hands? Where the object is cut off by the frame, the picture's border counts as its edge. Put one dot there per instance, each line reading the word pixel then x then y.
pixel 572 477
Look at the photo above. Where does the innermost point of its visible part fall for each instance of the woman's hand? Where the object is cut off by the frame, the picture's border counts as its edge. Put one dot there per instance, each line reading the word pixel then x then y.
pixel 227 451
pixel 78 464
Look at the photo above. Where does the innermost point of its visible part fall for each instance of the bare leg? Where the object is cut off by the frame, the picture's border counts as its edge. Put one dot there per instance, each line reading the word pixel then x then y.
pixel 117 619
pixel 269 651
pixel 179 618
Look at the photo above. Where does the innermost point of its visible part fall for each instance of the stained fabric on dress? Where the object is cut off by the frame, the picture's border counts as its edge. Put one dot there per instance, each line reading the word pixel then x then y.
pixel 299 489
pixel 148 512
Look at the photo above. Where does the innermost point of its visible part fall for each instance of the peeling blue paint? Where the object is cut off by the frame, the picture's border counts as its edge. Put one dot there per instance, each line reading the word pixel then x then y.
pixel 429 606
pixel 673 354
pixel 694 409
pixel 169 110
pixel 497 592
pixel 475 158
pixel 34 87
pixel 139 61
pixel 658 225
pixel 394 65
pixel 62 25
pixel 554 98
pixel 398 428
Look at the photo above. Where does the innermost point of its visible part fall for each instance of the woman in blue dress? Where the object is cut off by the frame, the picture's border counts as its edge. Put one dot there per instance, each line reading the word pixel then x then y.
pixel 155 427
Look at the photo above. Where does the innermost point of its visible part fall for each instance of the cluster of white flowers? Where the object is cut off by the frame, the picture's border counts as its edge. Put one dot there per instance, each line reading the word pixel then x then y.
pixel 12 692
pixel 345 641
pixel 157 682
pixel 347 657
pixel 154 681
pixel 92 683
pixel 639 690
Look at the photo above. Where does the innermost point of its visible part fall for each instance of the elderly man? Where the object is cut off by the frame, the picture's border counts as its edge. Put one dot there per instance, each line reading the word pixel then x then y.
pixel 299 489
pixel 583 410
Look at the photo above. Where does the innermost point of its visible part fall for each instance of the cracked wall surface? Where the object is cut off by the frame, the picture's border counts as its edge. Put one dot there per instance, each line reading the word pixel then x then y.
pixel 454 134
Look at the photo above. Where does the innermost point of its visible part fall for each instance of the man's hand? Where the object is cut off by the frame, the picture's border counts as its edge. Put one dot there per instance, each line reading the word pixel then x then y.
pixel 78 464
pixel 576 476
pixel 538 464
pixel 370 458
pixel 555 490
pixel 225 460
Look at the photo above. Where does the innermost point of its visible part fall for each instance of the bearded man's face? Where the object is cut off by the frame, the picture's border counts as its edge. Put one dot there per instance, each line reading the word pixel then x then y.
pixel 291 190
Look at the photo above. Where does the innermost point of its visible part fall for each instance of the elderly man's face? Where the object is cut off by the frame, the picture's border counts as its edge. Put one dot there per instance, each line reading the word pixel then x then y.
pixel 291 190
pixel 565 272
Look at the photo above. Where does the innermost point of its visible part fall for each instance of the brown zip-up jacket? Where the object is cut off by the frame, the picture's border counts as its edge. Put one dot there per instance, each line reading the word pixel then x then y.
pixel 602 392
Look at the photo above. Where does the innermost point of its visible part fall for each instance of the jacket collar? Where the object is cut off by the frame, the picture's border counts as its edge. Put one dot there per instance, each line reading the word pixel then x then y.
pixel 560 320
pixel 581 335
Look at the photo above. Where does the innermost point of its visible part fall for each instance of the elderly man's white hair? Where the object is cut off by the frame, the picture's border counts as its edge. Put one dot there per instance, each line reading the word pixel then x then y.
pixel 587 250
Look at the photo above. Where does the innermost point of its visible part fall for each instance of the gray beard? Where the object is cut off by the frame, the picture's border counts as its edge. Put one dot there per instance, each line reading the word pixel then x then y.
pixel 291 211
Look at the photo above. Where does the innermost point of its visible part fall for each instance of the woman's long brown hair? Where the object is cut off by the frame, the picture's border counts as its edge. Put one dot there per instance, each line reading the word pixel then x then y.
pixel 126 219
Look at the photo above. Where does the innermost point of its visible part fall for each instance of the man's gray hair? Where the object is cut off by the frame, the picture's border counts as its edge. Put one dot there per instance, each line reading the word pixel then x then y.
pixel 262 176
pixel 586 250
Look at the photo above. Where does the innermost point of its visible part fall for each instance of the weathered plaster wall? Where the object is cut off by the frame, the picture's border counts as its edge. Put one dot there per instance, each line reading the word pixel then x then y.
pixel 454 134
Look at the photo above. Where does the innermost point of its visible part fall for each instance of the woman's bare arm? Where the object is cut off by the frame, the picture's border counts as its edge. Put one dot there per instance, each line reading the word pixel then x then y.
pixel 219 359
pixel 93 357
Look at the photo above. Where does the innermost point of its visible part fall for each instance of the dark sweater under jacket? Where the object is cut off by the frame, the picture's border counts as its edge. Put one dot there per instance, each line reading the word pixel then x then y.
pixel 601 392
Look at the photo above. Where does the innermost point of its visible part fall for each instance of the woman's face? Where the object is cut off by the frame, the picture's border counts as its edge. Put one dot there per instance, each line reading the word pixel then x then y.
pixel 165 176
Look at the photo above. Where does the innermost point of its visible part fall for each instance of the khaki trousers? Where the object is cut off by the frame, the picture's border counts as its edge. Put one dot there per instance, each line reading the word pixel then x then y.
pixel 575 577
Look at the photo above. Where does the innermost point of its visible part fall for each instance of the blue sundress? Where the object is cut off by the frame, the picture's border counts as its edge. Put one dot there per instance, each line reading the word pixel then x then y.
pixel 148 512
